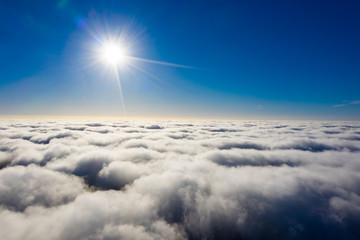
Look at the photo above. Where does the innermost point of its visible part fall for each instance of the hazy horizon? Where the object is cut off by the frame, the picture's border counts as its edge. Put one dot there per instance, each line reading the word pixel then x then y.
pixel 168 118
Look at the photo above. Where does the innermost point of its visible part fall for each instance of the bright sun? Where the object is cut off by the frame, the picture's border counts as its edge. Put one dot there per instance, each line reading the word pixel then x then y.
pixel 116 57
pixel 113 54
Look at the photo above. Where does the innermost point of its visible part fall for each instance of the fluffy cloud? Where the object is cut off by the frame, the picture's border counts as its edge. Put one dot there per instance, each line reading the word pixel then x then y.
pixel 179 180
pixel 22 187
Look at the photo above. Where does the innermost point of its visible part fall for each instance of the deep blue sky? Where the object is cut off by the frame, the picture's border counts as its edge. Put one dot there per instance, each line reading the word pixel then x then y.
pixel 252 59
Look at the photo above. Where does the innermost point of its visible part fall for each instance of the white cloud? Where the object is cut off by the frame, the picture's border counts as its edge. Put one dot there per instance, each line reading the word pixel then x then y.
pixel 347 104
pixel 179 180
pixel 22 187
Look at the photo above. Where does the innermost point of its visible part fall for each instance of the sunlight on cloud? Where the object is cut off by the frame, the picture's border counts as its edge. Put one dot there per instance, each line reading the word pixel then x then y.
pixel 179 179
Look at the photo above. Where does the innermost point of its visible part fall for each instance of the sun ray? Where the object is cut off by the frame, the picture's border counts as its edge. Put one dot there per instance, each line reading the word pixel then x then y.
pixel 157 62
pixel 147 73
pixel 120 91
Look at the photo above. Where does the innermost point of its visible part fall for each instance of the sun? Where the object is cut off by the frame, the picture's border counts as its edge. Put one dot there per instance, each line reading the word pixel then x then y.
pixel 113 54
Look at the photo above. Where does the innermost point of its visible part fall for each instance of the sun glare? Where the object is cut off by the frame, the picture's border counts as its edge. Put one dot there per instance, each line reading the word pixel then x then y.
pixel 113 54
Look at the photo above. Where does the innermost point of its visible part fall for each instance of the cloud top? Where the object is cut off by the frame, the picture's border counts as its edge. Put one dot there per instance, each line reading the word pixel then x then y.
pixel 179 180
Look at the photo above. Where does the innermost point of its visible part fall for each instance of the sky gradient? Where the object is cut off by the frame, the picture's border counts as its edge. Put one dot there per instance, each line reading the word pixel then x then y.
pixel 249 59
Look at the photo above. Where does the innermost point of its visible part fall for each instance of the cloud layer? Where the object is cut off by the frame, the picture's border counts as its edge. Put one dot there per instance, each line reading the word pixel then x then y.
pixel 179 180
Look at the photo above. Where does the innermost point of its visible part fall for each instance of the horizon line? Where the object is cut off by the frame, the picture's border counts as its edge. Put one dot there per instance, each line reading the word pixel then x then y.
pixel 159 118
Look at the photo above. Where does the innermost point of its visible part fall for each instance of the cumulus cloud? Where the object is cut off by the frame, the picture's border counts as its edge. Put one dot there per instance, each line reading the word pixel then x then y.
pixel 118 174
pixel 179 180
pixel 22 187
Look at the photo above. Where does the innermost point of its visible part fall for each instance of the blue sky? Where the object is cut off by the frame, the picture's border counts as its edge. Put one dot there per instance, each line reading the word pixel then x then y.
pixel 250 59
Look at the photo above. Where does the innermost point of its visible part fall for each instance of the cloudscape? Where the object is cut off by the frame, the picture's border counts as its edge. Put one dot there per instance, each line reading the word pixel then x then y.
pixel 179 120
pixel 179 180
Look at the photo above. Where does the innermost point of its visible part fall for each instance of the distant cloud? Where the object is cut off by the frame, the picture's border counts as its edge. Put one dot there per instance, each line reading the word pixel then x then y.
pixel 179 180
pixel 355 102
pixel 346 104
